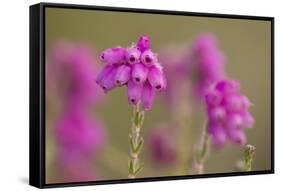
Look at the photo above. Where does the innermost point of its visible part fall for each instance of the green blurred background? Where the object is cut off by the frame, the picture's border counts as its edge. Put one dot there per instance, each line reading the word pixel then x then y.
pixel 245 43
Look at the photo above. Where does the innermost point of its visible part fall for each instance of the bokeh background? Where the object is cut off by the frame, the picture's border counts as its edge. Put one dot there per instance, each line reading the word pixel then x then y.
pixel 247 48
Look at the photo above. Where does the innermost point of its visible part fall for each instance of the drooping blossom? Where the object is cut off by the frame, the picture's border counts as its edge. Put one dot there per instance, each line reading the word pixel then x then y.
pixel 72 68
pixel 205 64
pixel 162 145
pixel 137 67
pixel 228 113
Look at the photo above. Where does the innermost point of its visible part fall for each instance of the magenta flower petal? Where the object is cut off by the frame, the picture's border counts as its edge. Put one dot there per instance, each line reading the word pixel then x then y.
pixel 123 74
pixel 133 55
pixel 104 72
pixel 148 58
pixel 156 78
pixel 113 55
pixel 134 92
pixel 139 73
pixel 108 81
pixel 148 94
pixel 143 43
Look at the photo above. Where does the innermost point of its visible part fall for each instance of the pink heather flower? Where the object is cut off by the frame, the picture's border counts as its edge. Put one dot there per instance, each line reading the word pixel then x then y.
pixel 123 74
pixel 206 65
pixel 107 81
pixel 139 73
pixel 134 92
pixel 71 69
pixel 113 55
pixel 162 145
pixel 148 58
pixel 139 70
pixel 156 78
pixel 147 97
pixel 77 133
pixel 133 55
pixel 78 141
pixel 228 113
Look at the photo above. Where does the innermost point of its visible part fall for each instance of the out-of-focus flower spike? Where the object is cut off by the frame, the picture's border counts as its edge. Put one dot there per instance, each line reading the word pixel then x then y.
pixel 123 75
pixel 139 73
pixel 148 94
pixel 134 92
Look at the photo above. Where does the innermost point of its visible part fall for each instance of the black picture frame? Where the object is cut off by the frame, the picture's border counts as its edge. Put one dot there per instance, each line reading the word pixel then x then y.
pixel 37 94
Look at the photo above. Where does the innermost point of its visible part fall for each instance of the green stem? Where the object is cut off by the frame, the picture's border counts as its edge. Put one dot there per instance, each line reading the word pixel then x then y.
pixel 248 157
pixel 136 142
pixel 201 152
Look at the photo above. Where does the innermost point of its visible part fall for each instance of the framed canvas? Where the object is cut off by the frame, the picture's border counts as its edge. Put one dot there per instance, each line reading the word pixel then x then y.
pixel 122 95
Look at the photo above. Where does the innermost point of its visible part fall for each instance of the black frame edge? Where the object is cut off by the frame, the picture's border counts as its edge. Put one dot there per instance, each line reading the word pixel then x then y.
pixel 35 129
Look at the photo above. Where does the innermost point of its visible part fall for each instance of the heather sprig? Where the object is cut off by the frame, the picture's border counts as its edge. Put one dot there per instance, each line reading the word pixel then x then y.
pixel 136 67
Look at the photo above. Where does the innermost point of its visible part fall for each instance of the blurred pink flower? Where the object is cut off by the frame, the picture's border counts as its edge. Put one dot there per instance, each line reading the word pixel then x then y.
pixel 78 141
pixel 206 64
pixel 73 72
pixel 228 113
pixel 162 144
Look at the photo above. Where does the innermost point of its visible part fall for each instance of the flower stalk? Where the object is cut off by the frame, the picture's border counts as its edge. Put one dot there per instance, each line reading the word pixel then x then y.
pixel 201 152
pixel 246 163
pixel 136 142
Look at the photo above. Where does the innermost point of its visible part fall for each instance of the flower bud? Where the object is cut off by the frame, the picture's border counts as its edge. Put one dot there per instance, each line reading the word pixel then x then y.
pixel 147 98
pixel 133 55
pixel 123 75
pixel 113 55
pixel 156 78
pixel 143 43
pixel 139 73
pixel 134 92
pixel 148 58
pixel 108 81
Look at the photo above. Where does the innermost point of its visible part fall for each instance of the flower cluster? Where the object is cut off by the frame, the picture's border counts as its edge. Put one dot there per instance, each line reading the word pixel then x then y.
pixel 228 113
pixel 137 67
pixel 69 72
pixel 206 64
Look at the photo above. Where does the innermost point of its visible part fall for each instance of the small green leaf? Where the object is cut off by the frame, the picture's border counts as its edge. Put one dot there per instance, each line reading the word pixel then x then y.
pixel 131 167
pixel 139 146
pixel 138 170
